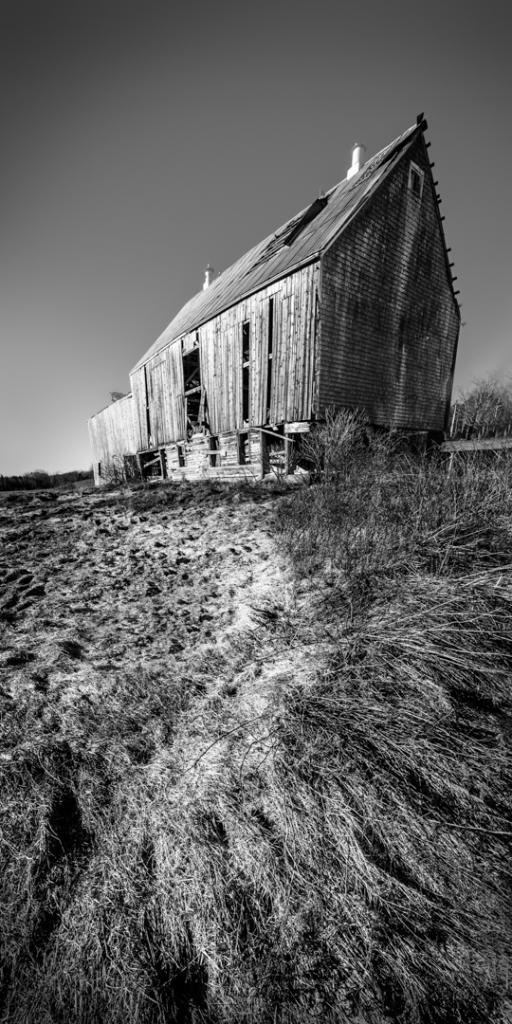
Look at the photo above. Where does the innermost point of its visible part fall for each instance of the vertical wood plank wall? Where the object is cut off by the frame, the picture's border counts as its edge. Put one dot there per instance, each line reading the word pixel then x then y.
pixel 164 376
pixel 113 433
pixel 389 321
pixel 220 343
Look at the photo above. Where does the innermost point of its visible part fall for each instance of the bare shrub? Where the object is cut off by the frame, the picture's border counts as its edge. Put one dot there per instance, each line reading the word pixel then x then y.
pixel 330 444
pixel 485 408
pixel 113 472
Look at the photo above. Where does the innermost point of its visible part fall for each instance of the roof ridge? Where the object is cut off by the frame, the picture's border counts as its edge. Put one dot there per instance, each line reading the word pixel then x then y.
pixel 266 262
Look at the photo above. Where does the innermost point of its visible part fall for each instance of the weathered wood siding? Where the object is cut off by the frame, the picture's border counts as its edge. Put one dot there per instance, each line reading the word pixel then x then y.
pixel 160 383
pixel 200 460
pixel 389 321
pixel 113 434
pixel 157 388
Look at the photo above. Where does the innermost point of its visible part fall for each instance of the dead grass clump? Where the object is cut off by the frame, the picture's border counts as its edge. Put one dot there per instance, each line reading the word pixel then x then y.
pixel 404 743
pixel 343 854
pixel 279 829
pixel 73 812
pixel 388 512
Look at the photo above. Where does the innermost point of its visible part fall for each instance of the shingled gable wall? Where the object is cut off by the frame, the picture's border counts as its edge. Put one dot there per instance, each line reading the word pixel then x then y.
pixel 389 321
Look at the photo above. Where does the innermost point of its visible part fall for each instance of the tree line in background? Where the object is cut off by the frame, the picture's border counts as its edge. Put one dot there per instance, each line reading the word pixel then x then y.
pixel 484 410
pixel 40 479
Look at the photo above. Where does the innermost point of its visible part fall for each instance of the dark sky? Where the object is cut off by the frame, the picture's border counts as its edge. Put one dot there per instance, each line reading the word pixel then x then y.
pixel 142 140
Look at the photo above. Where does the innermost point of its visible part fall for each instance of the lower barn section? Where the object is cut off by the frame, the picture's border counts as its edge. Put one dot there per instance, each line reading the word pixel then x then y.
pixel 241 454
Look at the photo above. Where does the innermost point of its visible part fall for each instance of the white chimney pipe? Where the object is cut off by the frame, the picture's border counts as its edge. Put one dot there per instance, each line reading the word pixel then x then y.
pixel 358 152
pixel 208 277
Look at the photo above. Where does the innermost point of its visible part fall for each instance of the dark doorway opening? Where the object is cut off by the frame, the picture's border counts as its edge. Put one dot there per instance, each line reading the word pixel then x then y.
pixel 274 451
pixel 214 456
pixel 246 351
pixel 244 450
pixel 153 465
pixel 193 391
pixel 148 410
pixel 270 341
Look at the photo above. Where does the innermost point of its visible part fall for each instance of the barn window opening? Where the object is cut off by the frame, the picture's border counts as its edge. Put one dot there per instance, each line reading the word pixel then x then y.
pixel 246 349
pixel 416 177
pixel 246 341
pixel 214 456
pixel 270 355
pixel 148 411
pixel 153 465
pixel 180 449
pixel 244 451
pixel 192 387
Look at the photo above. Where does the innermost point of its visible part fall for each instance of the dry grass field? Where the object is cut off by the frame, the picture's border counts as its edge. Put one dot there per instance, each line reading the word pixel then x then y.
pixel 256 757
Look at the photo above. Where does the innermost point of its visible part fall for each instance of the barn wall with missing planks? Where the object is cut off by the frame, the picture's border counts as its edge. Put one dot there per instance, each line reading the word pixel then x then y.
pixel 157 389
pixel 390 321
pixel 282 315
pixel 349 304
pixel 113 434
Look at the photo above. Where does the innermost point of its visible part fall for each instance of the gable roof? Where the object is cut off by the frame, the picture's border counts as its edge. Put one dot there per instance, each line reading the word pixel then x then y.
pixel 297 242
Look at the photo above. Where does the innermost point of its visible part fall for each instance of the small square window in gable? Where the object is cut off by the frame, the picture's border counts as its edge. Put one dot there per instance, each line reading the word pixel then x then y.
pixel 416 178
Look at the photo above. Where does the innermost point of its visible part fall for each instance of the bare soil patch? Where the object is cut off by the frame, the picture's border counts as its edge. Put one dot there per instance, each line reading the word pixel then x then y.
pixel 96 583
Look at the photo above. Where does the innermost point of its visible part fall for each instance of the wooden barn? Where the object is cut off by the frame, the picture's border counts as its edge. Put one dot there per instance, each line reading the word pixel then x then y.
pixel 350 304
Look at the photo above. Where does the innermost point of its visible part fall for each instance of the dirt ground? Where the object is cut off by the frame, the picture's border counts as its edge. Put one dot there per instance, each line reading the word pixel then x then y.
pixel 93 582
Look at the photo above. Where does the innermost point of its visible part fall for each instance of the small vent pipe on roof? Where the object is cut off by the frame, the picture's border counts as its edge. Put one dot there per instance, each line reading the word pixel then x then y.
pixel 209 275
pixel 358 152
